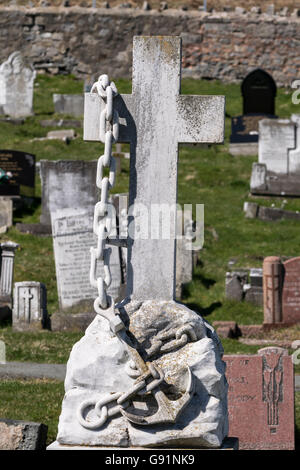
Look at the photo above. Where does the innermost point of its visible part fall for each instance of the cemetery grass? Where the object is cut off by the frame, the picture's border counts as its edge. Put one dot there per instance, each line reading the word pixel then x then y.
pixel 207 175
pixel 46 407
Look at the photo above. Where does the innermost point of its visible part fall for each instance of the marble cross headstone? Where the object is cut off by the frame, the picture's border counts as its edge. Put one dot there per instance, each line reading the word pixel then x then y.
pixel 154 119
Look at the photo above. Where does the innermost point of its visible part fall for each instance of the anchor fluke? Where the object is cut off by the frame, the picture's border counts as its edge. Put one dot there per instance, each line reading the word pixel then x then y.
pixel 168 410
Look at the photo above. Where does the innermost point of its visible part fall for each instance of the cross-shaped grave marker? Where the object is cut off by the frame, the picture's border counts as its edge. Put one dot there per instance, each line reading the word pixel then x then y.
pixel 154 119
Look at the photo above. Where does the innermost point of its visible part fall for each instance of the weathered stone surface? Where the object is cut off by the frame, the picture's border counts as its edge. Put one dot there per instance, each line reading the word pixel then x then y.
pixel 261 399
pixel 6 212
pixel 291 291
pixel 68 104
pixel 250 209
pixel 156 155
pixel 233 287
pixel 16 86
pixel 61 47
pixel 276 137
pixel 41 230
pixel 22 435
pixel 30 306
pixel 7 250
pixel 249 148
pixel 65 135
pixel 204 422
pixel 254 295
pixel 71 322
pixel 72 231
pixel 67 184
pixel 227 329
pixel 61 123
pixel 272 286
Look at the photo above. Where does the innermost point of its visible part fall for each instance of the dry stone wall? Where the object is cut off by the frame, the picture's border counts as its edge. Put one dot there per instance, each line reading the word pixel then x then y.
pixel 87 41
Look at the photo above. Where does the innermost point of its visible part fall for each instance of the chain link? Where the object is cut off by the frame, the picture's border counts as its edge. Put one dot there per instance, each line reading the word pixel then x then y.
pixel 109 133
pixel 101 407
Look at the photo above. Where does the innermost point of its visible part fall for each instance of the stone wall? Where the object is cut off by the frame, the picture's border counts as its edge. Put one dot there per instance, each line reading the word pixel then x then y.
pixel 88 41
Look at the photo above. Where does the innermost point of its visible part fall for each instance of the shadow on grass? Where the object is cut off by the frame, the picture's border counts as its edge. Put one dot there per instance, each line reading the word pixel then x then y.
pixel 27 208
pixel 206 282
pixel 204 311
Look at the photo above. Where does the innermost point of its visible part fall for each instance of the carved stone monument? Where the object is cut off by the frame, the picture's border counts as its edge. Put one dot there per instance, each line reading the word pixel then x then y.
pixel 30 308
pixel 149 371
pixel 261 399
pixel 16 86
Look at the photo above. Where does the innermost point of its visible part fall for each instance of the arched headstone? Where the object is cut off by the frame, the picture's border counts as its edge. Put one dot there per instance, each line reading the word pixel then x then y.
pixel 259 92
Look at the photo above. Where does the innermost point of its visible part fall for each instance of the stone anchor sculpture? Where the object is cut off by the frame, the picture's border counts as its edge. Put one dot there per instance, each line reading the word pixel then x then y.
pixel 149 371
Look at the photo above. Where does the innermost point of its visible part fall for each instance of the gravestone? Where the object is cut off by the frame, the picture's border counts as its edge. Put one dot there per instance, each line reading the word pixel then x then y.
pixel 261 399
pixel 7 255
pixel 6 212
pixel 16 86
pixel 30 306
pixel 258 91
pixel 154 319
pixel 72 231
pixel 22 167
pixel 68 104
pixel 278 169
pixel 291 291
pixel 2 352
pixel 119 155
pixel 281 291
pixel 67 184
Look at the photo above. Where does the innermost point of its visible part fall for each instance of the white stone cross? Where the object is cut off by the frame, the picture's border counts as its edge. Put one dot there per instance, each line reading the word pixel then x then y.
pixel 154 119
pixel 27 296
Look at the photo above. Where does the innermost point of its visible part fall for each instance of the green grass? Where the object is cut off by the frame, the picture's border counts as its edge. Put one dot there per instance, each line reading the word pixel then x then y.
pixel 38 401
pixel 46 405
pixel 42 347
pixel 208 176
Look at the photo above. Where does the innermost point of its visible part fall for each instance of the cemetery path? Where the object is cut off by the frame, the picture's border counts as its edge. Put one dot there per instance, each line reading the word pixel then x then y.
pixel 32 370
pixel 53 371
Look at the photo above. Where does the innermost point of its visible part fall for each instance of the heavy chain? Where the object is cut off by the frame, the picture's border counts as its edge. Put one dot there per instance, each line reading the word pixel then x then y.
pixel 101 407
pixel 109 133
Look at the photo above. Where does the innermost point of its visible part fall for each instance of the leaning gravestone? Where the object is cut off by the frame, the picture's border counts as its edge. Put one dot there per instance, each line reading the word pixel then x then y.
pixel 101 406
pixel 278 169
pixel 16 86
pixel 22 167
pixel 67 184
pixel 72 231
pixel 261 399
pixel 259 92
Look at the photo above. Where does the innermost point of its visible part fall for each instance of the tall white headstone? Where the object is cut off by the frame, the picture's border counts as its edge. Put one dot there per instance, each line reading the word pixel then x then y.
pixel 16 86
pixel 170 337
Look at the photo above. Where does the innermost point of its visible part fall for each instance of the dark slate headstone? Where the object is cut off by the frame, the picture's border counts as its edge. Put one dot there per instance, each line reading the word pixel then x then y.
pixel 244 128
pixel 259 92
pixel 22 167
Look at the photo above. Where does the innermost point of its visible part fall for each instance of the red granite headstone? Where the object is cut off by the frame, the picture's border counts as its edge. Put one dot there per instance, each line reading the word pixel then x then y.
pixel 261 399
pixel 291 291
